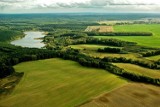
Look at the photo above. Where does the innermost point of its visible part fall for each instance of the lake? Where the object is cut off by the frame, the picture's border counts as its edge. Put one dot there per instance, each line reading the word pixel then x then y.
pixel 30 40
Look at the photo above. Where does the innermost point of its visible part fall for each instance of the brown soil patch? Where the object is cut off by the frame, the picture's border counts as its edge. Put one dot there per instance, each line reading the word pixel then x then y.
pixel 131 95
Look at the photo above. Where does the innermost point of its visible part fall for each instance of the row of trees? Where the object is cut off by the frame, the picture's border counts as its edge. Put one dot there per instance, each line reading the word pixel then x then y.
pixel 119 34
pixel 109 50
pixel 99 63
pixel 109 42
pixel 75 27
pixel 151 53
pixel 136 62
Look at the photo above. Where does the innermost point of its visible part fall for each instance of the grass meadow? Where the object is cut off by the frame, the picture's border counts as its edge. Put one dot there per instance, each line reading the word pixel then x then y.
pixel 154 58
pixel 150 41
pixel 59 83
pixel 139 70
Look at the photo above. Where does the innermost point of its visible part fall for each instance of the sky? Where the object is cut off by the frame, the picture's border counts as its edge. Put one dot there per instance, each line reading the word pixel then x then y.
pixel 73 6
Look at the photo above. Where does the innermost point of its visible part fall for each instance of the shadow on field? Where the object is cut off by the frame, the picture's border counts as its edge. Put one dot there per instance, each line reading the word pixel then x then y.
pixel 8 84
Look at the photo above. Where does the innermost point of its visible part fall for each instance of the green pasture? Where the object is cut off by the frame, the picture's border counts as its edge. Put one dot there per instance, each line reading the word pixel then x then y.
pixel 59 83
pixel 139 70
pixel 150 41
pixel 154 58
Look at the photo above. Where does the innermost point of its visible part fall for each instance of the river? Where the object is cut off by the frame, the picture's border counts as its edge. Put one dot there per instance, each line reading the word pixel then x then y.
pixel 30 40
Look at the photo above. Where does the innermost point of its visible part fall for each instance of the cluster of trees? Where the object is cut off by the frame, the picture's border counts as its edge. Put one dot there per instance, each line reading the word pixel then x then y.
pixel 158 62
pixel 109 50
pixel 119 34
pixel 5 70
pixel 151 53
pixel 12 55
pixel 136 62
pixel 9 35
pixel 73 38
pixel 74 35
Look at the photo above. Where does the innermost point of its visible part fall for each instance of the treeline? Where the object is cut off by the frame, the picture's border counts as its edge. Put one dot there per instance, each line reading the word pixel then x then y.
pixel 151 53
pixel 98 63
pixel 158 62
pixel 26 54
pixel 75 27
pixel 119 34
pixel 5 70
pixel 149 65
pixel 109 50
pixel 12 55
pixel 74 35
pixel 9 35
pixel 109 42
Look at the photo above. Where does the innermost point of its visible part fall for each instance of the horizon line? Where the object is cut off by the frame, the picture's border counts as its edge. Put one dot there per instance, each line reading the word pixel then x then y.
pixel 86 13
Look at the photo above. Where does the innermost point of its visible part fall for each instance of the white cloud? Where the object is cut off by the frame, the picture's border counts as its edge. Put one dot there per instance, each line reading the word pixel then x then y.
pixel 92 5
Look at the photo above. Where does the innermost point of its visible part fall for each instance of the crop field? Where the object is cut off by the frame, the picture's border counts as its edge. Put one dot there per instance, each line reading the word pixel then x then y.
pixel 59 83
pixel 139 70
pixel 92 51
pixel 88 47
pixel 131 95
pixel 99 29
pixel 102 55
pixel 150 41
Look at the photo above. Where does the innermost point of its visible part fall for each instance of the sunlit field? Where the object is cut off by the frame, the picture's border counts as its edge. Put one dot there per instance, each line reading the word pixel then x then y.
pixel 59 83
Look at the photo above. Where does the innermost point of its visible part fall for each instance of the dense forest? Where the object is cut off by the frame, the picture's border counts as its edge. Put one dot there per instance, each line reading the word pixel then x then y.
pixel 119 34
pixel 9 35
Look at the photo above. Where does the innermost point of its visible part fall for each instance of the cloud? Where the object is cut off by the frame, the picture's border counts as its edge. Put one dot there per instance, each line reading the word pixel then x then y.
pixel 108 5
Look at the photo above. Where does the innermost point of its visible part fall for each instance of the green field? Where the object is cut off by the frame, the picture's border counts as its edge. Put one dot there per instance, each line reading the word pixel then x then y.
pixel 151 41
pixel 154 58
pixel 59 83
pixel 139 70
pixel 88 47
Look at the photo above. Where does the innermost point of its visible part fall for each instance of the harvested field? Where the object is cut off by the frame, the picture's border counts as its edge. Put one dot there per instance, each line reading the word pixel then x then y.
pixel 99 29
pixel 131 95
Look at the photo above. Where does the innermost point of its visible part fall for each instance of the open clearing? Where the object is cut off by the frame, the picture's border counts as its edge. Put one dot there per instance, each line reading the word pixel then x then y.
pixel 92 51
pixel 131 95
pixel 150 41
pixel 88 47
pixel 139 70
pixel 99 29
pixel 59 83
